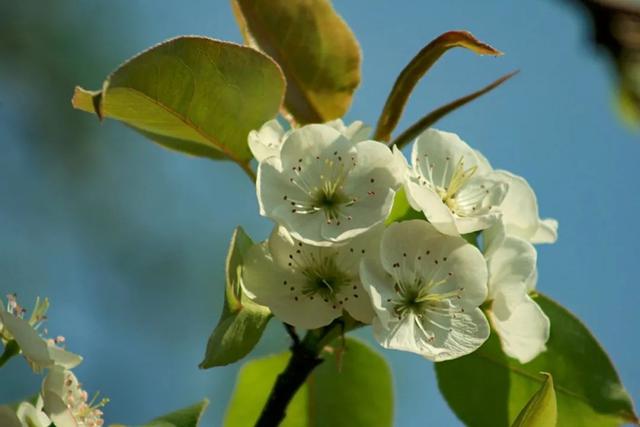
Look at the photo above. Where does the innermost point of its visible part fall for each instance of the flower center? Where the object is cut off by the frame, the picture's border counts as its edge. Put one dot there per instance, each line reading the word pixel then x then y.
pixel 325 190
pixel 325 279
pixel 418 296
pixel 458 180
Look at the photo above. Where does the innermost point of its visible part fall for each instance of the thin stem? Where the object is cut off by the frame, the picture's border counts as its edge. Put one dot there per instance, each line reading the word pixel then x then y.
pixel 291 330
pixel 305 356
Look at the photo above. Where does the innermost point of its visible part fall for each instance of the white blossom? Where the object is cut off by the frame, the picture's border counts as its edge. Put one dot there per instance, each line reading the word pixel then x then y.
pixel 267 141
pixel 324 188
pixel 521 324
pixel 452 184
pixel 308 286
pixel 33 416
pixel 357 131
pixel 39 352
pixel 520 211
pixel 67 404
pixel 426 289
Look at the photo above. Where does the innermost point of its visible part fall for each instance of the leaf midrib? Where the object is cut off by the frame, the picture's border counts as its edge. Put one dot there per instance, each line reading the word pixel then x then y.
pixel 212 141
pixel 558 387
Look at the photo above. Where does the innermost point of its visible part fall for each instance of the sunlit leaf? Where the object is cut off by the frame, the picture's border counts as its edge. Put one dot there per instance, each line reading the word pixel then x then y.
pixel 185 417
pixel 487 388
pixel 413 72
pixel 192 94
pixel 427 121
pixel 402 210
pixel 316 49
pixel 356 392
pixel 242 321
pixel 541 410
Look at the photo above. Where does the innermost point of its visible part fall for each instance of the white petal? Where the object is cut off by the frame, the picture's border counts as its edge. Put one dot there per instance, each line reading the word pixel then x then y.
pixel 468 331
pixel 35 349
pixel 422 198
pixel 31 416
pixel 279 289
pixel 358 303
pixel 415 247
pixel 521 324
pixel 53 395
pixel 510 261
pixel 338 125
pixel 437 340
pixel 436 153
pixel 358 131
pixel 379 285
pixel 266 142
pixel 310 141
pixel 377 159
pixel 547 231
pixel 401 334
pixel 520 211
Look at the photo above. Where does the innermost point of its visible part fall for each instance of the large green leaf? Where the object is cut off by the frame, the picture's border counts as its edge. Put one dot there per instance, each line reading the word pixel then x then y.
pixel 192 94
pixel 356 392
pixel 541 410
pixel 242 321
pixel 316 49
pixel 487 388
pixel 413 72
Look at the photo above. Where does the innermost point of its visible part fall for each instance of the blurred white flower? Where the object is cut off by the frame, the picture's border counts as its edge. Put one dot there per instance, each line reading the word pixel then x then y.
pixel 32 416
pixel 324 188
pixel 521 324
pixel 67 404
pixel 308 286
pixel 426 289
pixel 267 141
pixel 452 184
pixel 520 211
pixel 39 352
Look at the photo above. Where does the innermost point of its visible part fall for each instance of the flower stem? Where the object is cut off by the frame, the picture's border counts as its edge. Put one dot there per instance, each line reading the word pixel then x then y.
pixel 305 356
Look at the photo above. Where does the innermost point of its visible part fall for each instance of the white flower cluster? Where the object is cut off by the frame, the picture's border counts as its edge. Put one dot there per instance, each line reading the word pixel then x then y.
pixel 419 283
pixel 61 401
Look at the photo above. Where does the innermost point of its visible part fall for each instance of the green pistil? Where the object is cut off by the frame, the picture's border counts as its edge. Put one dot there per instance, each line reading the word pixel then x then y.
pixel 325 279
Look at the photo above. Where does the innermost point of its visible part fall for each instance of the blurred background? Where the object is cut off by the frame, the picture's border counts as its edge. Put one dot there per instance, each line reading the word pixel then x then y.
pixel 128 239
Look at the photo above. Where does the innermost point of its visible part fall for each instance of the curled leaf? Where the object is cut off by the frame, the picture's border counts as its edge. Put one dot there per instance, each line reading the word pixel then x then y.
pixel 427 121
pixel 413 72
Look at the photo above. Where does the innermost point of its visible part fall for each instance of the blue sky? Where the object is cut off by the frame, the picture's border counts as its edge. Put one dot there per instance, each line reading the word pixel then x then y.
pixel 140 312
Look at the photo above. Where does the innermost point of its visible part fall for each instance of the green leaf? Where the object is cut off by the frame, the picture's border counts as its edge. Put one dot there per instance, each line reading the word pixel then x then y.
pixel 185 417
pixel 427 121
pixel 486 388
pixel 192 94
pixel 356 392
pixel 317 51
pixel 402 210
pixel 541 410
pixel 413 72
pixel 242 321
